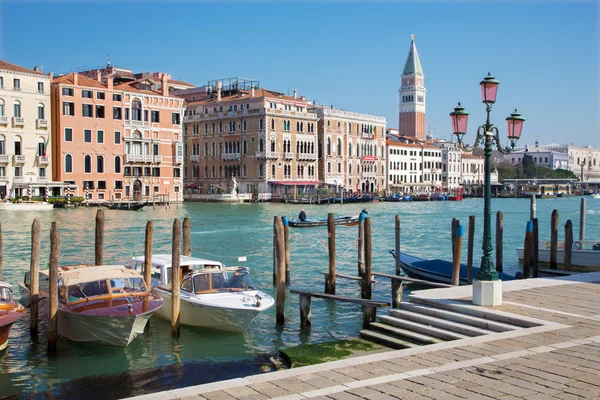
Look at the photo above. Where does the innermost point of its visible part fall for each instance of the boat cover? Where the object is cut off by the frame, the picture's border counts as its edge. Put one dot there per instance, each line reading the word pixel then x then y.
pixel 95 273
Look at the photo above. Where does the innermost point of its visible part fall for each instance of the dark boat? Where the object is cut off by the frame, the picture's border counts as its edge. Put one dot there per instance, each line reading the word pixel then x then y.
pixel 437 270
pixel 126 206
pixel 10 312
pixel 347 220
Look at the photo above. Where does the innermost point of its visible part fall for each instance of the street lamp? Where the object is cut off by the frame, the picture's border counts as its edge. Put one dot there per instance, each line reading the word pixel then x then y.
pixel 487 135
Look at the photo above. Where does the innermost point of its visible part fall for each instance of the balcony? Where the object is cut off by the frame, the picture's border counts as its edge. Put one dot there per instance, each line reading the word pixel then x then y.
pixel 306 156
pixel 42 160
pixel 42 179
pixel 179 160
pixel 157 159
pixel 288 155
pixel 268 154
pixel 137 123
pixel 368 158
pixel 3 178
pixel 369 174
pixel 18 159
pixel 41 123
pixel 3 120
pixel 195 158
pixel 4 159
pixel 18 179
pixel 230 156
pixel 138 158
pixel 18 121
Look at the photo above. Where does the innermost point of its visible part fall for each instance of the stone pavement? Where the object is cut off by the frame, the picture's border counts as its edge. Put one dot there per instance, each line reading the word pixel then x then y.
pixel 559 359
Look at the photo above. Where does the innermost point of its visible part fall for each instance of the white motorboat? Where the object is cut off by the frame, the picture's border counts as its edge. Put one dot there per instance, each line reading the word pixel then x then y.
pixel 211 295
pixel 26 206
pixel 107 304
pixel 595 195
pixel 585 256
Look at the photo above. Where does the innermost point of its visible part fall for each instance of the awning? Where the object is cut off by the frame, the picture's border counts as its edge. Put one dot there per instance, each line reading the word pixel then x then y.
pixel 2 183
pixel 296 183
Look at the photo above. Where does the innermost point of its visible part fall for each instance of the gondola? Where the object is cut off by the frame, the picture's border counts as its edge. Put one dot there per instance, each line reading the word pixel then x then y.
pixel 347 220
pixel 126 206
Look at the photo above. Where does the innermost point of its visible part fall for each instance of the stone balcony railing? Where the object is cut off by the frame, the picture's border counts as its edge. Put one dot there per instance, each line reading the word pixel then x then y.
pixel 195 158
pixel 137 123
pixel 138 158
pixel 157 159
pixel 3 120
pixel 306 156
pixel 18 121
pixel 41 123
pixel 288 155
pixel 230 156
pixel 19 179
pixel 369 174
pixel 267 154
pixel 42 160
pixel 19 159
pixel 4 159
pixel 178 160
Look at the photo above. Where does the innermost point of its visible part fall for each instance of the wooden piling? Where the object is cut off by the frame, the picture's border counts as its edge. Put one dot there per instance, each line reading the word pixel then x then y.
pixel 99 237
pixel 532 208
pixel 582 212
pixel 454 228
pixel 187 237
pixel 397 289
pixel 554 239
pixel 274 251
pixel 360 245
pixel 368 278
pixel 286 242
pixel 175 280
pixel 535 249
pixel 527 249
pixel 499 241
pixel 34 281
pixel 0 251
pixel 280 250
pixel 470 245
pixel 331 236
pixel 456 256
pixel 305 312
pixel 567 262
pixel 53 288
pixel 148 254
pixel 397 248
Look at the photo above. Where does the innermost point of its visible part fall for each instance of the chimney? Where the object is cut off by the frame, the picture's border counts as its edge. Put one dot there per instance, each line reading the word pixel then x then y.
pixel 51 75
pixel 295 94
pixel 302 98
pixel 252 91
pixel 219 86
pixel 98 75
pixel 75 78
pixel 37 69
pixel 109 82
pixel 164 88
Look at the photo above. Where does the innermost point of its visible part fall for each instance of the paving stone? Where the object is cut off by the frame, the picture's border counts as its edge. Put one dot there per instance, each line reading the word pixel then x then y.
pixel 293 385
pixel 363 391
pixel 439 395
pixel 380 396
pixel 486 391
pixel 343 396
pixel 384 387
pixel 269 390
pixel 218 395
pixel 336 376
pixel 408 385
pixel 429 382
pixel 515 390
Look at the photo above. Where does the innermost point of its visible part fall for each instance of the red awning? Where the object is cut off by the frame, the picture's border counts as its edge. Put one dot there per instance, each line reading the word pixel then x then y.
pixel 296 183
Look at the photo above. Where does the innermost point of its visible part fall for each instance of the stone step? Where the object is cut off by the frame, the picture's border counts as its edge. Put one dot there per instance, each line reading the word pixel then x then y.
pixel 474 311
pixel 440 323
pixel 457 317
pixel 386 340
pixel 424 329
pixel 410 336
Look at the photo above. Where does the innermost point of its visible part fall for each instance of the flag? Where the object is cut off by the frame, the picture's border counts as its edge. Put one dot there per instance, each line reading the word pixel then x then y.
pixel 46 146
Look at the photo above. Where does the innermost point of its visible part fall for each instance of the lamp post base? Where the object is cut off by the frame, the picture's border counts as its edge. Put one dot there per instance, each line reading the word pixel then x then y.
pixel 487 293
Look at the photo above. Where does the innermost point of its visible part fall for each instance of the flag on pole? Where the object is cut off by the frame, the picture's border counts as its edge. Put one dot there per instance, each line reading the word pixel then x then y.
pixel 46 146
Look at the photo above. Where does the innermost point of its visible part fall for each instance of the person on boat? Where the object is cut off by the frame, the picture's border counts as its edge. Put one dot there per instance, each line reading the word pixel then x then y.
pixel 302 216
pixel 236 281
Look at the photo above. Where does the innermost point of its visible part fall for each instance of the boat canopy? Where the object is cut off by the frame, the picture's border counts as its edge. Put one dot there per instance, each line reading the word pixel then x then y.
pixel 84 274
pixel 165 259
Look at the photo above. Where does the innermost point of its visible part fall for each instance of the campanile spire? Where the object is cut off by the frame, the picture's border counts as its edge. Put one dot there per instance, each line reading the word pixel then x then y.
pixel 411 118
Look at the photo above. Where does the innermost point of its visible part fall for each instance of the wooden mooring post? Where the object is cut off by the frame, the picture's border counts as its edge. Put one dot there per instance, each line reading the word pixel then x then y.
pixel 53 288
pixel 397 292
pixel 274 251
pixel 397 247
pixel 280 250
pixel 582 212
pixel 99 237
pixel 554 239
pixel 187 237
pixel 499 241
pixel 568 246
pixel 532 208
pixel 34 281
pixel 470 245
pixel 456 256
pixel 330 285
pixel 527 249
pixel 360 248
pixel 535 248
pixel 175 280
pixel 286 242
pixel 305 312
pixel 148 254
pixel 454 228
pixel 367 281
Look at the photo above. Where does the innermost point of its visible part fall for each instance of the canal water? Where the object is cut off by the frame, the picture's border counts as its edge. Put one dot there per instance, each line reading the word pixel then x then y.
pixel 225 232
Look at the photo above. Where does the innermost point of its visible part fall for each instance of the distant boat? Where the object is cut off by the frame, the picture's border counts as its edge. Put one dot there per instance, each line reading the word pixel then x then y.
pixel 127 206
pixel 595 195
pixel 26 206
pixel 347 220
pixel 585 256
pixel 436 270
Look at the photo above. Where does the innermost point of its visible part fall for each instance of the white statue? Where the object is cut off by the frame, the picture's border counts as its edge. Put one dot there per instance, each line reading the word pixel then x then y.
pixel 234 186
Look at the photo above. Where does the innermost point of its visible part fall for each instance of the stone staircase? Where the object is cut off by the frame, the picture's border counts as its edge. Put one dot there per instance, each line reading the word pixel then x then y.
pixel 424 321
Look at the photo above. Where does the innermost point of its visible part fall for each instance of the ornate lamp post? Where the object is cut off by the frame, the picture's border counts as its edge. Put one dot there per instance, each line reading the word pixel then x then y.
pixel 487 135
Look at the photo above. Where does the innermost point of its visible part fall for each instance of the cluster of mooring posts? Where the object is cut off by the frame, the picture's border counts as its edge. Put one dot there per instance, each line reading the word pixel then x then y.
pixel 99 260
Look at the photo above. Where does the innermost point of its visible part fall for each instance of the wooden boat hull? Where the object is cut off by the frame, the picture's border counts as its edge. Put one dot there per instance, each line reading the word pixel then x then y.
pixel 311 223
pixel 206 311
pixel 127 206
pixel 581 260
pixel 436 270
pixel 8 316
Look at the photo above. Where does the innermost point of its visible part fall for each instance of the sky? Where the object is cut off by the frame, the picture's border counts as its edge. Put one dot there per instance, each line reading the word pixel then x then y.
pixel 346 54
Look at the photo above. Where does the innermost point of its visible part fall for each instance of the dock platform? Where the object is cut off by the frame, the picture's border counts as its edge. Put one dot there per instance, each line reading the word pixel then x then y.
pixel 555 354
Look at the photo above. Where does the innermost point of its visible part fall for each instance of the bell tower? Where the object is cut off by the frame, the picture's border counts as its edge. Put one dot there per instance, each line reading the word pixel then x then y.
pixel 411 118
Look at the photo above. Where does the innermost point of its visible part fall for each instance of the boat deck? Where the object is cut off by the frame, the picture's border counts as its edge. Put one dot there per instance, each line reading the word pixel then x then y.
pixel 558 358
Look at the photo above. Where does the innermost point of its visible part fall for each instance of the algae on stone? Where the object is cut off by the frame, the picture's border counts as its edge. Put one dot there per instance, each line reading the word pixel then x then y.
pixel 309 354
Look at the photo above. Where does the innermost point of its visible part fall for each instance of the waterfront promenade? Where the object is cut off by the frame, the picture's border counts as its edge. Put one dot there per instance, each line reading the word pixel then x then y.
pixel 559 358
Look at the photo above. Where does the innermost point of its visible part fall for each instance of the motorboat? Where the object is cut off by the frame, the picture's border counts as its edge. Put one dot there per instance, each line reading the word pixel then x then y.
pixel 26 206
pixel 127 206
pixel 437 270
pixel 212 296
pixel 104 304
pixel 595 195
pixel 347 220
pixel 10 312
pixel 585 255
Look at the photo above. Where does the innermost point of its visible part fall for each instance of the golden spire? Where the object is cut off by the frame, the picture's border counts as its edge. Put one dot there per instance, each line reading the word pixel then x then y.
pixel 412 36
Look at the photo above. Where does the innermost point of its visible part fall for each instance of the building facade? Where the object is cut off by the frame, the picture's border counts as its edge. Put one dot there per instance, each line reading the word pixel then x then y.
pixel 117 140
pixel 351 150
pixel 413 166
pixel 25 131
pixel 451 165
pixel 412 96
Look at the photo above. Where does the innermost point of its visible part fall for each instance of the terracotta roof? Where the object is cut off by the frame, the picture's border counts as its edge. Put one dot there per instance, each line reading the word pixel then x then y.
pixel 258 93
pixel 13 67
pixel 401 144
pixel 81 81
pixel 180 83
pixel 465 155
pixel 128 87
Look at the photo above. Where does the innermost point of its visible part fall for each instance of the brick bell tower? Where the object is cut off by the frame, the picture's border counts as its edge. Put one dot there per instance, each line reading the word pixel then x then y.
pixel 411 119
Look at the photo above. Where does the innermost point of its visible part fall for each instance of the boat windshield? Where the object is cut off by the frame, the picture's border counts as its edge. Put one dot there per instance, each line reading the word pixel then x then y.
pixel 88 290
pixel 223 281
pixel 5 295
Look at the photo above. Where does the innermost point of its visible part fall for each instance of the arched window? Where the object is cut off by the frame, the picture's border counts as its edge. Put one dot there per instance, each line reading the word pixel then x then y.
pixel 220 171
pixel 2 108
pixel 117 164
pixel 328 146
pixel 100 165
pixel 339 146
pixel 261 145
pixel 87 164
pixel 206 171
pixel 205 149
pixel 41 111
pixel 349 169
pixel 136 110
pixel 213 171
pixel 261 124
pixel 546 159
pixel 68 164
pixel 244 170
pixel 244 125
pixel 273 123
pixel 272 145
pixel 245 147
pixel 273 171
pixel 17 109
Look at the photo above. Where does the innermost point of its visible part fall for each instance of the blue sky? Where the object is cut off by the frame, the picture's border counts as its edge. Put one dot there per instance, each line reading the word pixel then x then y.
pixel 348 54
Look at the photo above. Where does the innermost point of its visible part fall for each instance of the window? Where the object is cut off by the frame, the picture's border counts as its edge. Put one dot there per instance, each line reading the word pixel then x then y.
pixel 102 185
pixel 86 94
pixel 117 97
pixel 175 118
pixel 87 163
pixel 68 135
pixel 99 136
pixel 117 113
pixel 100 96
pixel 41 149
pixel 67 91
pixel 88 184
pixel 99 111
pixel 136 110
pixel 155 116
pixel 147 171
pixel 87 136
pixel 68 163
pixel 17 84
pixel 119 185
pixel 117 165
pixel 177 173
pixel 40 87
pixel 87 110
pixel 117 137
pixel 155 149
pixel 2 147
pixel 17 109
pixel 1 107
pixel 42 172
pixel 145 115
pixel 155 171
pixel 41 113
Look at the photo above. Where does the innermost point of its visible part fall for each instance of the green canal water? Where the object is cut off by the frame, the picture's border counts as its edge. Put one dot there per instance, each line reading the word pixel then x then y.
pixel 225 232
